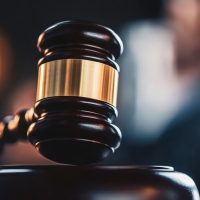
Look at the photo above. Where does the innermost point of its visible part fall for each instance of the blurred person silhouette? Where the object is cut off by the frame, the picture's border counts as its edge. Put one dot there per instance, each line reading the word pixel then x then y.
pixel 161 65
pixel 159 96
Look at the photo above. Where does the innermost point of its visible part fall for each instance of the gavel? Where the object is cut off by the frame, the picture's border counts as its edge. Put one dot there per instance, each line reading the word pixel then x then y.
pixel 71 121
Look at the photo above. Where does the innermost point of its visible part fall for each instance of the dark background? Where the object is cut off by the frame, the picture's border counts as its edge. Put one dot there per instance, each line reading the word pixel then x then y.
pixel 23 21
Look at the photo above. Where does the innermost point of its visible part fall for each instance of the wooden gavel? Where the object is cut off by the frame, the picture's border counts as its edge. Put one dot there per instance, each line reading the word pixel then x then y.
pixel 71 121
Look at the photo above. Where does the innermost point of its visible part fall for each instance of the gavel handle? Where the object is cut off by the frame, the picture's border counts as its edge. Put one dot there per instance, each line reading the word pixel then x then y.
pixel 14 128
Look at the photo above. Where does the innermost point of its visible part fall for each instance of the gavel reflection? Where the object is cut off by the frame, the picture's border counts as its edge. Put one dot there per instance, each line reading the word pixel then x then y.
pixel 71 121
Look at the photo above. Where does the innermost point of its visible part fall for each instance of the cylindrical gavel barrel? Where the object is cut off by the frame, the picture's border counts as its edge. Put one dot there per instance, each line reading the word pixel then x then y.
pixel 76 93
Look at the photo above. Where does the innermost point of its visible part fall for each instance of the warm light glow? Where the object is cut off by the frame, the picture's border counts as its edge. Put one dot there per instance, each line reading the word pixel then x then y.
pixel 2 125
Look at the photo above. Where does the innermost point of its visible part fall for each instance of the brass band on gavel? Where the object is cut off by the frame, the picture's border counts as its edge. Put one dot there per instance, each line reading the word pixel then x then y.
pixel 78 77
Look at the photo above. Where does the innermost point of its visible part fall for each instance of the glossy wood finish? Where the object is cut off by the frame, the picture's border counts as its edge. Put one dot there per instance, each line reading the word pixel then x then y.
pixel 74 130
pixel 95 183
pixel 80 39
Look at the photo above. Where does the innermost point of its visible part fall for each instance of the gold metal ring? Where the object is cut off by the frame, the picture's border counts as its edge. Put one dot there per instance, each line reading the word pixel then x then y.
pixel 78 77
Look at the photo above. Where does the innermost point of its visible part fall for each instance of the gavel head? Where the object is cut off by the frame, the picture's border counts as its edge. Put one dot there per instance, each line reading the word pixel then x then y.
pixel 76 93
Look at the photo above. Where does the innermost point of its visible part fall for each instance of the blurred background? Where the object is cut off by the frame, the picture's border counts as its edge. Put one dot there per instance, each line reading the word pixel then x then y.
pixel 159 89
